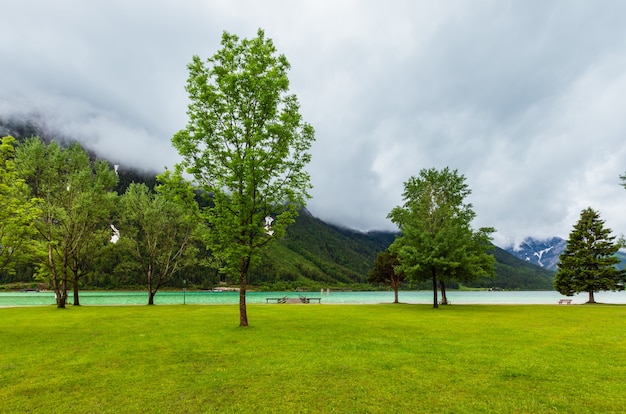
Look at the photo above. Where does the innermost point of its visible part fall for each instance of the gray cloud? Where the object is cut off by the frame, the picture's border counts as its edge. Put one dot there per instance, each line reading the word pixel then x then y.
pixel 525 98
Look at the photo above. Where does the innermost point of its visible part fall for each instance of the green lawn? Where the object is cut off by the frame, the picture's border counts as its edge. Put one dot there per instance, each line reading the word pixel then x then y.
pixel 313 358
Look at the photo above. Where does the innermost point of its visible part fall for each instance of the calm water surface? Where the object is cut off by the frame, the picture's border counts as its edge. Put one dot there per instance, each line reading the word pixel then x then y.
pixel 207 298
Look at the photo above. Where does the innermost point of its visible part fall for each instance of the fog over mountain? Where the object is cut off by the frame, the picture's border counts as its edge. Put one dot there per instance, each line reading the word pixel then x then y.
pixel 526 99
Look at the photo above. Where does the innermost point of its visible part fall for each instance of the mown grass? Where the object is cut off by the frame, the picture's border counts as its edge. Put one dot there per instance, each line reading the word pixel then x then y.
pixel 313 358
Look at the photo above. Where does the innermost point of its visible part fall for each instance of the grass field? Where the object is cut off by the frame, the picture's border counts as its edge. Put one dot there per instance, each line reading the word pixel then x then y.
pixel 314 358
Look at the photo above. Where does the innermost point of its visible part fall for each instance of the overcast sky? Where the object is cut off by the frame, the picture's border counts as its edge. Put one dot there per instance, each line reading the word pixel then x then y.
pixel 525 98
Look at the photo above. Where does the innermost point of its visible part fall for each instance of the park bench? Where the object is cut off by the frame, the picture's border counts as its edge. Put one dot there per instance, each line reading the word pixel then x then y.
pixel 565 301
pixel 304 299
pixel 277 300
pixel 301 299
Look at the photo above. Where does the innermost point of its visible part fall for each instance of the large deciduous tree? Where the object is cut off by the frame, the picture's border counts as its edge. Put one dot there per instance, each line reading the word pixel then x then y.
pixel 384 271
pixel 588 262
pixel 246 145
pixel 436 239
pixel 18 211
pixel 159 229
pixel 76 199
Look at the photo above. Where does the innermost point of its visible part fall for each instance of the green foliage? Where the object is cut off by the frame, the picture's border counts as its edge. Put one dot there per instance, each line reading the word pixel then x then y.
pixel 437 241
pixel 384 271
pixel 77 202
pixel 316 254
pixel 514 273
pixel 18 212
pixel 159 229
pixel 246 145
pixel 127 176
pixel 588 263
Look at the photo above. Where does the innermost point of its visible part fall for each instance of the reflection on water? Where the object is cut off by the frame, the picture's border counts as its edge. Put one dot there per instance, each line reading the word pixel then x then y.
pixel 207 298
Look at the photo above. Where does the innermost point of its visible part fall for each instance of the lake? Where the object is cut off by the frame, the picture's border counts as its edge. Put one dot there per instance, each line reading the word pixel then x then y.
pixel 332 297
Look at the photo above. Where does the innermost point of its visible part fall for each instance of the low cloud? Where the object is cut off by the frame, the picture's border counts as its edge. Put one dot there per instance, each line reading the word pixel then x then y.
pixel 523 98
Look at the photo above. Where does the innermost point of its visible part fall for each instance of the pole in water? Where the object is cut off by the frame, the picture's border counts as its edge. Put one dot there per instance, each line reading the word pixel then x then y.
pixel 184 289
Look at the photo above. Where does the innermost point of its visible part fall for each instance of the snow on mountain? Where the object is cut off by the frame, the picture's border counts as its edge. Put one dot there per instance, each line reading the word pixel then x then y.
pixel 543 253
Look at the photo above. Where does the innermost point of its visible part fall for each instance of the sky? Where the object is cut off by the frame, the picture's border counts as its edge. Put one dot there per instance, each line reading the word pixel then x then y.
pixel 525 98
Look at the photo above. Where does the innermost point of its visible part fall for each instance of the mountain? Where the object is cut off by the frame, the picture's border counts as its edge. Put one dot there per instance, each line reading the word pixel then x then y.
pixel 314 253
pixel 515 273
pixel 543 253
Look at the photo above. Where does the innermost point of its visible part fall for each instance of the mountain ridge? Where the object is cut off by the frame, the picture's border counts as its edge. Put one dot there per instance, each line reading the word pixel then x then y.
pixel 316 252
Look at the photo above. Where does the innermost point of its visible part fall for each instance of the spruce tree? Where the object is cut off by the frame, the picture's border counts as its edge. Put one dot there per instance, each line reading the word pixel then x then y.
pixel 588 262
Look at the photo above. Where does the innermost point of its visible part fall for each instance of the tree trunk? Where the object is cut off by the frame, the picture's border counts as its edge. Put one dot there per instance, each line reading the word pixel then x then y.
pixel 243 280
pixel 60 292
pixel 444 298
pixel 395 284
pixel 435 302
pixel 76 299
pixel 151 292
pixel 591 298
pixel 59 286
pixel 61 299
pixel 243 312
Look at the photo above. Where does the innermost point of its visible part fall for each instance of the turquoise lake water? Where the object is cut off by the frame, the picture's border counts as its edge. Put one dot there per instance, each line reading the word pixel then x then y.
pixel 208 298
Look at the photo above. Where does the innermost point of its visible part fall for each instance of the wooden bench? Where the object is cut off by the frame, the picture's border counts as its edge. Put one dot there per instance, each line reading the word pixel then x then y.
pixel 565 301
pixel 277 300
pixel 301 299
pixel 304 299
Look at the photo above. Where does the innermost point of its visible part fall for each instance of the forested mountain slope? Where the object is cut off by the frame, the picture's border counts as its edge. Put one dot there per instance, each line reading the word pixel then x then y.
pixel 315 251
pixel 312 253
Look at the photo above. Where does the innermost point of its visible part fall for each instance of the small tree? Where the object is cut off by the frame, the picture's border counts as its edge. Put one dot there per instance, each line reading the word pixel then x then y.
pixel 18 211
pixel 75 195
pixel 160 229
pixel 246 145
pixel 384 272
pixel 588 262
pixel 437 241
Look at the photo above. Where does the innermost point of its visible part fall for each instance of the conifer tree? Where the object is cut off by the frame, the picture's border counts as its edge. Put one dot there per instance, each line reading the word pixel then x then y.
pixel 588 262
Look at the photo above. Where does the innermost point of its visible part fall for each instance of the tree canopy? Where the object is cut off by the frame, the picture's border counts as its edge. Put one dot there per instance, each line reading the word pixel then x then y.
pixel 436 239
pixel 18 211
pixel 588 262
pixel 76 200
pixel 384 271
pixel 246 145
pixel 160 229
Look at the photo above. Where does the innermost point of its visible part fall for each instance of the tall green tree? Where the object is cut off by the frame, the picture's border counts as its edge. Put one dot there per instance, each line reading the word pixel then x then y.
pixel 76 200
pixel 160 229
pixel 384 271
pixel 246 145
pixel 588 262
pixel 436 241
pixel 18 211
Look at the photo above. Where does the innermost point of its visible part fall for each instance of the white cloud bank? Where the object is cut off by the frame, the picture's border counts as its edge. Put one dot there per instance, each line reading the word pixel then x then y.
pixel 526 99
